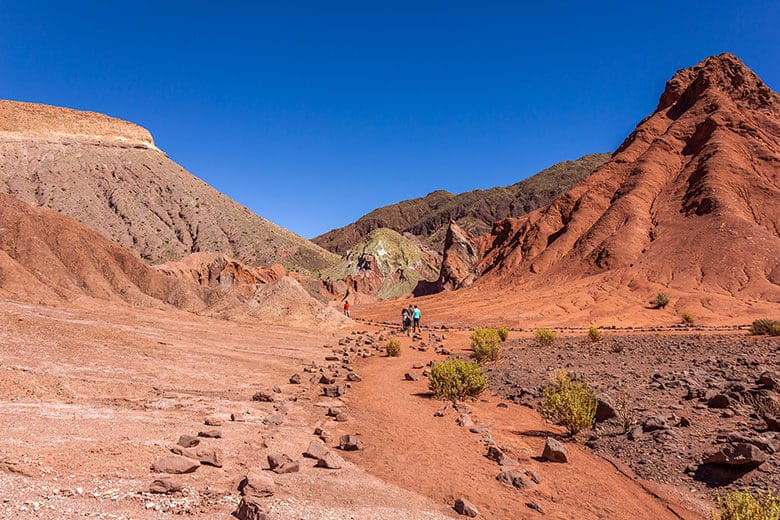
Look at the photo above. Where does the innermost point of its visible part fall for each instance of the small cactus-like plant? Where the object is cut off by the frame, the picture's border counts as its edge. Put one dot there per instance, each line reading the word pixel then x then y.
pixel 595 335
pixel 545 337
pixel 393 348
pixel 456 379
pixel 486 344
pixel 503 333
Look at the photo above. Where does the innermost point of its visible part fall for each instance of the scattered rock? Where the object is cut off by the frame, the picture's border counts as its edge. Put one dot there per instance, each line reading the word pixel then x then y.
pixel 175 464
pixel 465 508
pixel 212 421
pixel 165 486
pixel 554 451
pixel 354 377
pixel 203 454
pixel 295 379
pixel 737 454
pixel 263 396
pixel 536 507
pixel 333 391
pixel 719 401
pixel 249 509
pixel 283 464
pixel 768 380
pixel 274 420
pixel 409 376
pixel 329 461
pixel 654 423
pixel 521 479
pixel 188 441
pixel 257 484
pixel 316 450
pixel 350 443
pixel 605 410
pixel 210 434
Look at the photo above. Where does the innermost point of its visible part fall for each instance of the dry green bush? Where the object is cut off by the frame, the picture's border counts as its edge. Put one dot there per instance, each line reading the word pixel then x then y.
pixel 503 333
pixel 456 379
pixel 661 300
pixel 486 344
pixel 595 334
pixel 545 337
pixel 765 327
pixel 393 348
pixel 743 505
pixel 571 403
pixel 687 318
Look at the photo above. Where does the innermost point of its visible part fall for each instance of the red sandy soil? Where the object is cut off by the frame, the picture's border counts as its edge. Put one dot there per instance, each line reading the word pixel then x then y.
pixel 407 445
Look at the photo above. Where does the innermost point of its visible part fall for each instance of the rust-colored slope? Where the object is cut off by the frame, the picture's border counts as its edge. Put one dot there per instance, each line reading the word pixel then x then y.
pixel 689 204
pixel 49 258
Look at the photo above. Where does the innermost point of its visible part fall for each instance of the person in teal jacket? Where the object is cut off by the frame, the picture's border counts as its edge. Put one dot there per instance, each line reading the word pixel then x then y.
pixel 416 318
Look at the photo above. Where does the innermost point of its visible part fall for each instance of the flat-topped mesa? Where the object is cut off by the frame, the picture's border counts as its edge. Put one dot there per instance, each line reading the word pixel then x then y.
pixel 20 121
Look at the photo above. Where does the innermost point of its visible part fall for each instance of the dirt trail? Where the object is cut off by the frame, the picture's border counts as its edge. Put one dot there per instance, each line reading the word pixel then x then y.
pixel 407 445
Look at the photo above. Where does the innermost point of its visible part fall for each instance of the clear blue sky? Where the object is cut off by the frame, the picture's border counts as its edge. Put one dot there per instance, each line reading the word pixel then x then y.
pixel 313 114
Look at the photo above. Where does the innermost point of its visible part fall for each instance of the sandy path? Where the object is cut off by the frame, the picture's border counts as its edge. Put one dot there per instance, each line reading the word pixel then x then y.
pixel 434 456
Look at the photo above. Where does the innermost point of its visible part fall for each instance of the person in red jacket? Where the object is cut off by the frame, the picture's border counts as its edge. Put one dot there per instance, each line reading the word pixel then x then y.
pixel 346 309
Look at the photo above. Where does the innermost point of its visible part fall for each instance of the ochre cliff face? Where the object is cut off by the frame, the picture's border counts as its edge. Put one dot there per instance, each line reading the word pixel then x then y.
pixel 691 199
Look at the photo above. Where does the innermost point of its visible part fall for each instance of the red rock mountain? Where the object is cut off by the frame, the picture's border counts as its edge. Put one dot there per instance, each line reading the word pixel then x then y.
pixel 475 211
pixel 689 205
pixel 109 175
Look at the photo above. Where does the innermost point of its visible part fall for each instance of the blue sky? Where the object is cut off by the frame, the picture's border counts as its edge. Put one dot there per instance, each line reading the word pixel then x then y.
pixel 312 114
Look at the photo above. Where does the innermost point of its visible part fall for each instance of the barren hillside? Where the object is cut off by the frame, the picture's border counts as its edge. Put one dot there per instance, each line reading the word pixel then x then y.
pixel 108 174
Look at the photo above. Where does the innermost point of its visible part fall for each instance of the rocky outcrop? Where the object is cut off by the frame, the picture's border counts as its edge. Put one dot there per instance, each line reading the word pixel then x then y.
pixel 459 261
pixel 109 175
pixel 384 264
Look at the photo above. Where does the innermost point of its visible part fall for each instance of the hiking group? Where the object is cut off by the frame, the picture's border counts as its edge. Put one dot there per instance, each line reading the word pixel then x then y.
pixel 410 319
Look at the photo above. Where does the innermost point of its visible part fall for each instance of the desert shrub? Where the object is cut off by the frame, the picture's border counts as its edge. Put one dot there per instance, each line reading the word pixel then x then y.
pixel 743 505
pixel 764 327
pixel 503 333
pixel 545 337
pixel 393 347
pixel 661 300
pixel 571 403
pixel 617 347
pixel 595 334
pixel 486 344
pixel 624 410
pixel 774 330
pixel 687 318
pixel 456 379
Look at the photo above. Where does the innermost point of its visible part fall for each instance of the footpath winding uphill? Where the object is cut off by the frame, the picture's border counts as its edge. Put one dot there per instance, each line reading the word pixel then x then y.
pixel 443 452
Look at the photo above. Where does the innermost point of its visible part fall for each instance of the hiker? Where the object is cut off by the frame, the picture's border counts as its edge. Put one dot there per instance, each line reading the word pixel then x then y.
pixel 346 309
pixel 416 316
pixel 410 313
pixel 405 320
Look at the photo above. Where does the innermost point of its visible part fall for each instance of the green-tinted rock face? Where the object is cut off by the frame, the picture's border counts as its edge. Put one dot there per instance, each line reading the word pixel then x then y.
pixel 386 264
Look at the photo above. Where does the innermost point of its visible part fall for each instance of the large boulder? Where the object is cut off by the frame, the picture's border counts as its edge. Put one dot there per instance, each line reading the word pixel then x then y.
pixel 175 464
pixel 257 484
pixel 740 454
pixel 554 451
